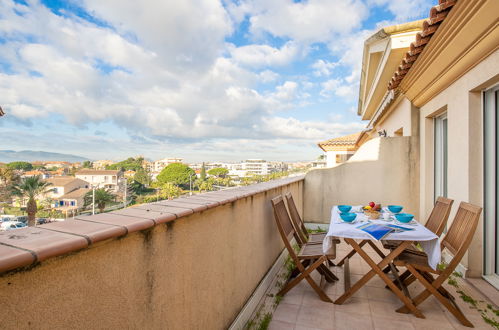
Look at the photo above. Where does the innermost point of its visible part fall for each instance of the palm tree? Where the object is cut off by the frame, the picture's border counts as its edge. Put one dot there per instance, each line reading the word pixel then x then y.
pixel 102 197
pixel 31 187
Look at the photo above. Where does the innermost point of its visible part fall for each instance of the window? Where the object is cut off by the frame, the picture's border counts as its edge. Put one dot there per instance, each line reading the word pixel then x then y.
pixel 440 157
pixel 491 193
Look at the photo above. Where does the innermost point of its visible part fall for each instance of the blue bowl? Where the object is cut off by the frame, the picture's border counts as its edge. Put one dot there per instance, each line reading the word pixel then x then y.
pixel 344 208
pixel 404 217
pixel 395 208
pixel 348 217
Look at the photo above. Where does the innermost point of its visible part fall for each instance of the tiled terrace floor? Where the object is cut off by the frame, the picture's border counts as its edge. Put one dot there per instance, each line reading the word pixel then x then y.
pixel 372 307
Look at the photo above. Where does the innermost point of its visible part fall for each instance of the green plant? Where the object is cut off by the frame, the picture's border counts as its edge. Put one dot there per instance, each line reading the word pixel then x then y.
pixel 219 172
pixel 101 199
pixel 31 187
pixel 176 173
pixel 264 324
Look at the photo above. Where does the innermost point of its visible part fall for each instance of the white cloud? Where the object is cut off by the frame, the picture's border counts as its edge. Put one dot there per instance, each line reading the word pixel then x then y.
pixel 310 21
pixel 265 55
pixel 312 130
pixel 323 68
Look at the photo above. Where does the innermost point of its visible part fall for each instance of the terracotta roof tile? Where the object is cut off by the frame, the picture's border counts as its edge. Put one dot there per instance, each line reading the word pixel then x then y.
pixel 92 231
pixel 342 140
pixel 430 26
pixel 11 258
pixel 43 243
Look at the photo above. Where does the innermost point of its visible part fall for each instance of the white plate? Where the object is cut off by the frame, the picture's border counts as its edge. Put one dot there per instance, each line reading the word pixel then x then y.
pixel 413 222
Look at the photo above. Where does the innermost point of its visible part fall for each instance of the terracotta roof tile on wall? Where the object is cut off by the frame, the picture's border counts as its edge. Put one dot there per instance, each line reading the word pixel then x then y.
pixel 430 26
pixel 342 140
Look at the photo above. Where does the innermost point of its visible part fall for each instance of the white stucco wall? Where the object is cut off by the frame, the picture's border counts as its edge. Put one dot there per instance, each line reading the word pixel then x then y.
pixel 384 170
pixel 402 116
pixel 462 102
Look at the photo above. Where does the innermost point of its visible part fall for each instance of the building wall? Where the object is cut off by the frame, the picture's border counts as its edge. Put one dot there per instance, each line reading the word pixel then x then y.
pixel 399 119
pixel 196 272
pixel 383 170
pixel 462 102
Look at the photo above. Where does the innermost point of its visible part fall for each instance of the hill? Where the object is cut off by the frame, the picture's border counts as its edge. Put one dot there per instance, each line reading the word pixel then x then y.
pixel 7 156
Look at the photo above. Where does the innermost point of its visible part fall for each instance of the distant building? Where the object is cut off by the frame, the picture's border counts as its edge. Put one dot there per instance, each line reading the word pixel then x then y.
pixel 73 200
pixel 109 179
pixel 42 174
pixel 339 150
pixel 64 184
pixel 101 164
pixel 159 165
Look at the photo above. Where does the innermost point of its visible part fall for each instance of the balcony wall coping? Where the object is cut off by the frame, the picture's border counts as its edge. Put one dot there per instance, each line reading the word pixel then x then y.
pixel 25 247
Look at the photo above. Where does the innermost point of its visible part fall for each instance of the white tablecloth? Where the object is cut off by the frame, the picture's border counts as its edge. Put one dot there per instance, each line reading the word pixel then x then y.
pixel 428 240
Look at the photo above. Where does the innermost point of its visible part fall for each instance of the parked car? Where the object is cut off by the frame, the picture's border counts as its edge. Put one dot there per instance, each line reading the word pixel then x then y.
pixel 41 221
pixel 11 225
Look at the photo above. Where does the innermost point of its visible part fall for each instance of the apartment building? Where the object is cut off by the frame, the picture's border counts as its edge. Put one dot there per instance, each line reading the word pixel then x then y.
pixel 109 179
pixel 437 81
pixel 159 165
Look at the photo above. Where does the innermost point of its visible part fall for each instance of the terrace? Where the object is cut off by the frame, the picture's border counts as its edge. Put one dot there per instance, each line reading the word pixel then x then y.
pixel 206 261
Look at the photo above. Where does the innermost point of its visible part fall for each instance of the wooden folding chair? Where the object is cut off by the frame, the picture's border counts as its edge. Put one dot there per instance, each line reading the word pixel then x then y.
pixel 302 234
pixel 457 241
pixel 311 253
pixel 436 223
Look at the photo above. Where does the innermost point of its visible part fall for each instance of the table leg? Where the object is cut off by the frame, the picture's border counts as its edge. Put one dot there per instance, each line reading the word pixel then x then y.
pixel 378 269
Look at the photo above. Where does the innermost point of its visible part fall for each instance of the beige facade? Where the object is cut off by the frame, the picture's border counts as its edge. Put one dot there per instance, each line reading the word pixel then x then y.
pixel 109 179
pixel 436 95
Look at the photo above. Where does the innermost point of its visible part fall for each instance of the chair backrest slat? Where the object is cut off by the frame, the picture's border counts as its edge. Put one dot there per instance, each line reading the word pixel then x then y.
pixel 462 229
pixel 439 215
pixel 282 218
pixel 301 230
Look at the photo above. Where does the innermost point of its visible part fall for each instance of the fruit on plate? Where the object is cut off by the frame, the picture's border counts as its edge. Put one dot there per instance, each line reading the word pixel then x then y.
pixel 377 207
pixel 372 204
pixel 367 207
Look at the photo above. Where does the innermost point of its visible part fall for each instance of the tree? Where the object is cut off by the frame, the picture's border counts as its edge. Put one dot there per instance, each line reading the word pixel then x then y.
pixel 132 164
pixel 30 187
pixel 87 164
pixel 142 177
pixel 219 172
pixel 24 166
pixel 8 177
pixel 176 173
pixel 202 175
pixel 102 198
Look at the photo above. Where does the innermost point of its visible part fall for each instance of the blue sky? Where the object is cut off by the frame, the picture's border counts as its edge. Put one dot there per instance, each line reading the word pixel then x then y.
pixel 203 80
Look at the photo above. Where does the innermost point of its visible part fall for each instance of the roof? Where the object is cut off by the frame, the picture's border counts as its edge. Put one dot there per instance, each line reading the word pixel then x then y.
pixel 437 15
pixel 63 180
pixel 97 172
pixel 342 140
pixel 77 193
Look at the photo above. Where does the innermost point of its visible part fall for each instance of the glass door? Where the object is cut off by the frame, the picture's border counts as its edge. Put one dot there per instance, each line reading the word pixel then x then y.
pixel 440 156
pixel 491 194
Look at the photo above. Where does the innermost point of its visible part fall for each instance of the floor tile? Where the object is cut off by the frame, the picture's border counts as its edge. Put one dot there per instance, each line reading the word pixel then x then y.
pixel 383 323
pixel 286 313
pixel 316 317
pixel 387 310
pixel 355 306
pixel 350 321
pixel 280 325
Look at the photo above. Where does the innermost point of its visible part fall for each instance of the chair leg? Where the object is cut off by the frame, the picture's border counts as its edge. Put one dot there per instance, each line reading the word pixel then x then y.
pixel 350 254
pixel 330 277
pixel 431 290
pixel 306 275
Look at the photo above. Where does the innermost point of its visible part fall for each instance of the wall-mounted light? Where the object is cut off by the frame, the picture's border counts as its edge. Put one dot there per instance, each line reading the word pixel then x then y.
pixel 382 133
